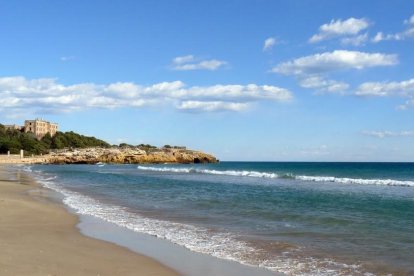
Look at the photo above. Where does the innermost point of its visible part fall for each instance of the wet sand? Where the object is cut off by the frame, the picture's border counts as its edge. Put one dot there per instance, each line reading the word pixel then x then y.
pixel 39 237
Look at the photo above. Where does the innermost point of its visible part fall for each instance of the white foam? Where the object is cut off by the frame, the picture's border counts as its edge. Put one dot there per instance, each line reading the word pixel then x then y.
pixel 205 171
pixel 165 169
pixel 218 244
pixel 27 168
pixel 343 180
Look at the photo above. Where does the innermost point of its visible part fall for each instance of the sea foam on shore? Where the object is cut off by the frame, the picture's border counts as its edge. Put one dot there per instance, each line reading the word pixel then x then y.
pixel 218 214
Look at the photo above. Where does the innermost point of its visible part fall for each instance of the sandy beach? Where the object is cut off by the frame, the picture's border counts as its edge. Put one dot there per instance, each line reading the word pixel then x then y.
pixel 15 159
pixel 39 237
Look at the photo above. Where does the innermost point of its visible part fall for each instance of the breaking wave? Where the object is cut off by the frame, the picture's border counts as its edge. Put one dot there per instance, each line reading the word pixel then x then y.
pixel 199 239
pixel 342 180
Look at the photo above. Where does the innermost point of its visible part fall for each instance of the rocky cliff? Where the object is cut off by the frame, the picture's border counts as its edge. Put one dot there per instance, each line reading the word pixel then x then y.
pixel 129 156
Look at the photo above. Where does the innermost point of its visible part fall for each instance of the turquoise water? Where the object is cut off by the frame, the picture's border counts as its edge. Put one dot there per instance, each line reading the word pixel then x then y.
pixel 296 218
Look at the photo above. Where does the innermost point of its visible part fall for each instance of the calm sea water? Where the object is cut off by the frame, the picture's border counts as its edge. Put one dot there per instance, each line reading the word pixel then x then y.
pixel 295 218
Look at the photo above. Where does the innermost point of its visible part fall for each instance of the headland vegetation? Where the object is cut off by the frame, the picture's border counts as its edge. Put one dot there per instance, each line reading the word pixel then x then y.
pixel 73 148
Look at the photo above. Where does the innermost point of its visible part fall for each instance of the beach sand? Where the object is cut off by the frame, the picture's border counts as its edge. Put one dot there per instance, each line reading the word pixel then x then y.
pixel 39 237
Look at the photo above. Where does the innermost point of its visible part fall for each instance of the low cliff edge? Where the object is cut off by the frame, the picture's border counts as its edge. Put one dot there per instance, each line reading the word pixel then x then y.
pixel 129 156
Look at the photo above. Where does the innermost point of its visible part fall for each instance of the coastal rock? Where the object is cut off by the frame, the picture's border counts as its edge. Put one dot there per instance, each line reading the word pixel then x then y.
pixel 129 156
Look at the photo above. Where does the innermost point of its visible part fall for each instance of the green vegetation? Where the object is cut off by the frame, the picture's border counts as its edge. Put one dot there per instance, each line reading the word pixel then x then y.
pixel 140 146
pixel 173 147
pixel 125 145
pixel 72 140
pixel 146 146
pixel 14 140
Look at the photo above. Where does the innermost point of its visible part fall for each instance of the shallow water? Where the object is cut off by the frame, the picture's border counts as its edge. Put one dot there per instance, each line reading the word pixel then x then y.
pixel 295 218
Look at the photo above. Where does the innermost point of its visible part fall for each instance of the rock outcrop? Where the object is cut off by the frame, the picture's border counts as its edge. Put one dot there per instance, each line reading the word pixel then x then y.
pixel 129 156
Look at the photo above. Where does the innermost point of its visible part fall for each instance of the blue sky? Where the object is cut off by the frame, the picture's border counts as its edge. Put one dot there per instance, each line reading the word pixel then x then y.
pixel 245 80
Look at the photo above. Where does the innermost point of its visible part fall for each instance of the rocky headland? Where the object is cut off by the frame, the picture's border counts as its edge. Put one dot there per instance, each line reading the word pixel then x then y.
pixel 73 148
pixel 128 156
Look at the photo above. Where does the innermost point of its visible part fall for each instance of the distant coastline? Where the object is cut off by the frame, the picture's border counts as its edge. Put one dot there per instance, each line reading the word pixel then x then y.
pixel 114 155
pixel 35 144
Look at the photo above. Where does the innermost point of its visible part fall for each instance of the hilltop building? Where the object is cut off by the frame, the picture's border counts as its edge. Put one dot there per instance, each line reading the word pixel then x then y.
pixel 40 128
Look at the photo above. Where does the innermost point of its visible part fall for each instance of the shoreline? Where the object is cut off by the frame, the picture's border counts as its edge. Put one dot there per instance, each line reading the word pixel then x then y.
pixel 114 155
pixel 166 252
pixel 158 256
pixel 39 237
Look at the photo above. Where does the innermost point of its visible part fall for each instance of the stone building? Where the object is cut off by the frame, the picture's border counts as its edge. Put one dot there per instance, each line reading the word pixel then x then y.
pixel 40 127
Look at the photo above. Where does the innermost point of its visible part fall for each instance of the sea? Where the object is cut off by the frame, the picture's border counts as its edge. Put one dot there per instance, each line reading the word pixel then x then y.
pixel 294 218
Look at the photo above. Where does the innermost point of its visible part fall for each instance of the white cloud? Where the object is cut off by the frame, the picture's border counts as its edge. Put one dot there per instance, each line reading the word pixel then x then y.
pixel 407 33
pixel 404 89
pixel 334 61
pixel 269 43
pixel 336 28
pixel 242 92
pixel 397 36
pixel 183 59
pixel 383 134
pixel 212 106
pixel 355 40
pixel 67 58
pixel 312 71
pixel 406 105
pixel 324 85
pixel 382 37
pixel 47 95
pixel 409 21
pixel 386 89
pixel 189 62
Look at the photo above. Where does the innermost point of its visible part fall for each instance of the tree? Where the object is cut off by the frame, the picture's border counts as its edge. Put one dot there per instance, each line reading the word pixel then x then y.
pixel 125 145
pixel 47 140
pixel 15 140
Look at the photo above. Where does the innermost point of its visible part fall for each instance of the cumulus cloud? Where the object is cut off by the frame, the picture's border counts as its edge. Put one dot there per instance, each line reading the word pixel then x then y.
pixel 336 28
pixel 189 62
pixel 380 36
pixel 313 71
pixel 409 21
pixel 269 43
pixel 387 89
pixel 333 61
pixel 47 95
pixel 355 40
pixel 323 85
pixel 403 89
pixel 384 134
pixel 212 106
pixel 183 59
pixel 407 33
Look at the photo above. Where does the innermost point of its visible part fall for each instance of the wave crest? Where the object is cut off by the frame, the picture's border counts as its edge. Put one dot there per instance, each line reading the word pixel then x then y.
pixel 345 180
pixel 342 180
pixel 216 172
